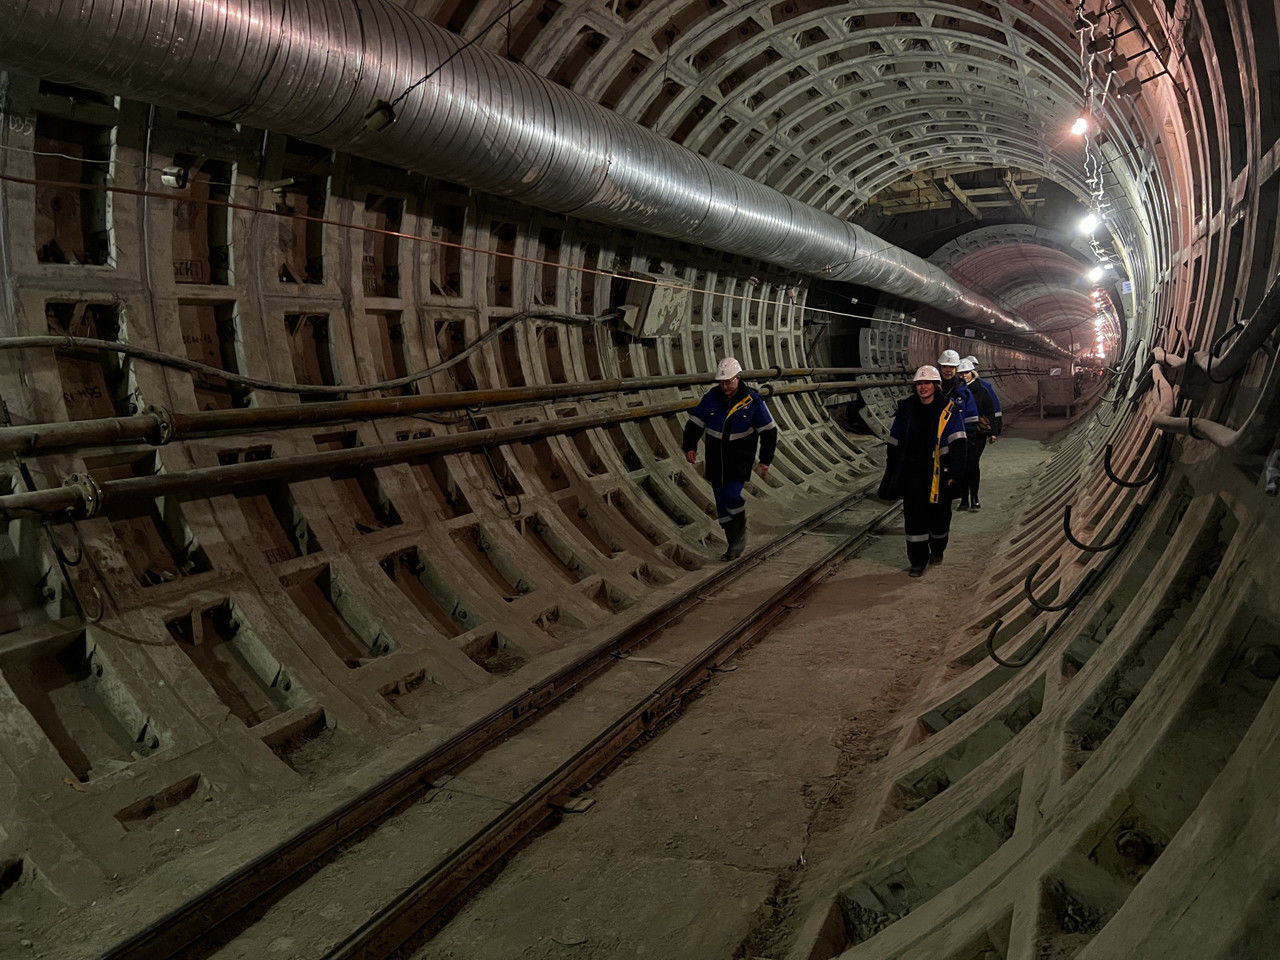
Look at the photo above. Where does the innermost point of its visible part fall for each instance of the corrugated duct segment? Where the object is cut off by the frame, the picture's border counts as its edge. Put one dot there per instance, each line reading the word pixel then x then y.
pixel 312 70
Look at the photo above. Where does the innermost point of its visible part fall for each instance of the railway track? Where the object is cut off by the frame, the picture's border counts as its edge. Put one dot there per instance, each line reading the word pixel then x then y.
pixel 394 860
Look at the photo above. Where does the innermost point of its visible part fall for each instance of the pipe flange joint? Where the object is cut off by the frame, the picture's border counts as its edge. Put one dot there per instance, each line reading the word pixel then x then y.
pixel 90 493
pixel 164 423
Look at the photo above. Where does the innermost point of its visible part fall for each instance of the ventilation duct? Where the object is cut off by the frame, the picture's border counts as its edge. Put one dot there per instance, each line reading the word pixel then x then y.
pixel 314 70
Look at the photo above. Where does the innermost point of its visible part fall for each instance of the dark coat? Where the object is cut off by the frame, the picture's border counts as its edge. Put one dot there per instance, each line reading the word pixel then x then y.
pixel 918 430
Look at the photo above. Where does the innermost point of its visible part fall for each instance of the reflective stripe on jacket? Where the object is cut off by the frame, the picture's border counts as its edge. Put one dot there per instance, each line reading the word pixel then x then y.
pixel 734 426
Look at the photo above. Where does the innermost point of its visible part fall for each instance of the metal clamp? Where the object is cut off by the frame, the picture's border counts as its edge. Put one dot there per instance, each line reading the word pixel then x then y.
pixel 165 427
pixel 90 493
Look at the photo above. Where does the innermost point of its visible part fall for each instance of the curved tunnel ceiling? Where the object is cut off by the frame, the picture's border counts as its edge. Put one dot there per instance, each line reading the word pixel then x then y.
pixel 830 105
pixel 963 104
pixel 842 105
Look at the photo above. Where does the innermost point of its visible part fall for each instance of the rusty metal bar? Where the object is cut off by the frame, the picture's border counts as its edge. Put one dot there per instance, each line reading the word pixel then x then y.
pixel 80 496
pixel 159 426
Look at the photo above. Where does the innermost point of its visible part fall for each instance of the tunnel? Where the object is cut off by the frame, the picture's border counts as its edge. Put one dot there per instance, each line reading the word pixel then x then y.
pixel 348 353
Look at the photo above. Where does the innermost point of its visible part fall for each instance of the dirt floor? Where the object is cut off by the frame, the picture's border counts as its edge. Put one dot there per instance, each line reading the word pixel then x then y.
pixel 698 845
pixel 709 841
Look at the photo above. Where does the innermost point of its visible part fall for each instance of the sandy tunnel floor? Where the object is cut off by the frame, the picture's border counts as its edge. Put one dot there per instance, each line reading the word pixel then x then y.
pixel 696 845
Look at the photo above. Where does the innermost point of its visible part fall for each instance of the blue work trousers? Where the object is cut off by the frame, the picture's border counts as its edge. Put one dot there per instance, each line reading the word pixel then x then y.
pixel 729 501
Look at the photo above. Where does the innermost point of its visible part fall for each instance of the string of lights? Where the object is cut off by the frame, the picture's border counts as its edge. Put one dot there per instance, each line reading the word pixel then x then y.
pixel 1095 100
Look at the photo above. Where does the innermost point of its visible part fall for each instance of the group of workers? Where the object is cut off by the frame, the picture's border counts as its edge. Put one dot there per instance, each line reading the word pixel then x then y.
pixel 935 447
pixel 935 450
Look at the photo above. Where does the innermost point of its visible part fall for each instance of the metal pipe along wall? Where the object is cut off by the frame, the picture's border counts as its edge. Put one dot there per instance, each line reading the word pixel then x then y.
pixel 312 70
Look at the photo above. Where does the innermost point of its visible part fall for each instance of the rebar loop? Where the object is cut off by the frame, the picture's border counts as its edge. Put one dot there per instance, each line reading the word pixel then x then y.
pixel 1088 548
pixel 1135 484
pixel 1031 598
pixel 1015 664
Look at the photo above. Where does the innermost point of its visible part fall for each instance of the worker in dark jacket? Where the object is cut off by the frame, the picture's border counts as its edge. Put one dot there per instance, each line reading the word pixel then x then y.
pixel 925 467
pixel 979 434
pixel 735 419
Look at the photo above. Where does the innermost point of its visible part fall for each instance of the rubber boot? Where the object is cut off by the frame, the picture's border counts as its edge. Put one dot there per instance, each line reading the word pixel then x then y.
pixel 739 536
pixel 736 532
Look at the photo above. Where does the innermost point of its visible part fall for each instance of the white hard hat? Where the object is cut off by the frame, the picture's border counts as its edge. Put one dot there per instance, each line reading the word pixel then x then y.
pixel 728 369
pixel 966 366
pixel 927 373
pixel 972 359
pixel 949 358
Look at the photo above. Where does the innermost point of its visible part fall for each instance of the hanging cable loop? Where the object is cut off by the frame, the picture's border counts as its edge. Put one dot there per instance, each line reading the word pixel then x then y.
pixel 63 559
pixel 1216 350
pixel 63 564
pixel 1088 548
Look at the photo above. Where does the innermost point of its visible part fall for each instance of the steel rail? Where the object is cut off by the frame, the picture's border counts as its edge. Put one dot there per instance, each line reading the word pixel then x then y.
pixel 418 905
pixel 158 426
pixel 81 496
pixel 250 883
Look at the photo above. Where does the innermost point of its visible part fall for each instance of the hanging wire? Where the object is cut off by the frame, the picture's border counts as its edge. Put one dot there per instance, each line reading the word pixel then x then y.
pixel 479 36
pixel 500 479
pixel 672 282
pixel 90 345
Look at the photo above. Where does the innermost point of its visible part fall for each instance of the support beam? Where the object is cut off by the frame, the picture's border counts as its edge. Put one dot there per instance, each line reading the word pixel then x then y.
pixel 1015 191
pixel 954 189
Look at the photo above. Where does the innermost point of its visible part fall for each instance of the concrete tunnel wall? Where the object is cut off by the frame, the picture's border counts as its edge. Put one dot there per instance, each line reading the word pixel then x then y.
pixel 1126 775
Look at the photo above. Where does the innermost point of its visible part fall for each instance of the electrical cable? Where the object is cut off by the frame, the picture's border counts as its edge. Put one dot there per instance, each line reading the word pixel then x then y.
pixel 90 345
pixel 441 65
pixel 500 480
pixel 672 282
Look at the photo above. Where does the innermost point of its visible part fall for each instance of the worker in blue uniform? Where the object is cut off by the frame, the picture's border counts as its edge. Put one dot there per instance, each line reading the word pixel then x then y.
pixel 954 389
pixel 990 423
pixel 997 423
pixel 925 467
pixel 735 420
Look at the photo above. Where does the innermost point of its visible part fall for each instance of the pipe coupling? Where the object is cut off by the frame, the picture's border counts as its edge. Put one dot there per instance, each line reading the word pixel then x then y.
pixel 90 494
pixel 165 426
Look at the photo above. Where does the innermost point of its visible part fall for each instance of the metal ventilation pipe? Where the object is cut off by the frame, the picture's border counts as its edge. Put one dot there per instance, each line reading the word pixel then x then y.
pixel 314 69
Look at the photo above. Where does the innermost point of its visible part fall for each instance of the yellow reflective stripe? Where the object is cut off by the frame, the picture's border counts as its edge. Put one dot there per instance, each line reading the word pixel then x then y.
pixel 936 486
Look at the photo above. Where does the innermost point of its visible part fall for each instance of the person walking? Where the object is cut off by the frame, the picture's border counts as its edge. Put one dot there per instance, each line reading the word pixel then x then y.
pixel 734 418
pixel 997 422
pixel 925 465
pixel 976 435
pixel 954 389
pixel 990 423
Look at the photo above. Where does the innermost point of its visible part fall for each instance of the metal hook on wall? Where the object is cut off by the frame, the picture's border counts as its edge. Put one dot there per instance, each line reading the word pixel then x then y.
pixel 1031 598
pixel 1088 548
pixel 1015 664
pixel 1134 484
